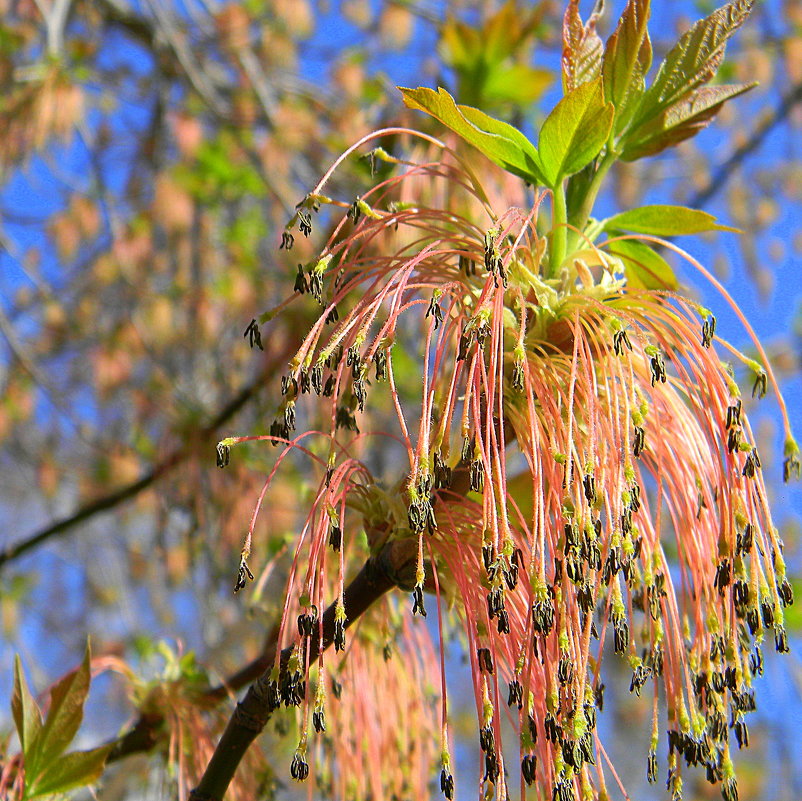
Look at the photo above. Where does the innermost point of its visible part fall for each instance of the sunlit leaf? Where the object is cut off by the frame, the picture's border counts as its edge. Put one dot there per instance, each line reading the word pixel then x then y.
pixel 644 268
pixel 582 47
pixel 26 712
pixel 500 142
pixel 694 59
pixel 76 769
pixel 627 58
pixel 661 220
pixel 574 132
pixel 519 84
pixel 681 121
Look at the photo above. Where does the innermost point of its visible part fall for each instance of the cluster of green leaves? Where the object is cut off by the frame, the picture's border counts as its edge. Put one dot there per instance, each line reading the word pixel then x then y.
pixel 48 770
pixel 608 114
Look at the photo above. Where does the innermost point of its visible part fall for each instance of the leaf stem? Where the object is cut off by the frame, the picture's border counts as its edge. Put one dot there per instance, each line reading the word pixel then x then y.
pixel 583 213
pixel 559 230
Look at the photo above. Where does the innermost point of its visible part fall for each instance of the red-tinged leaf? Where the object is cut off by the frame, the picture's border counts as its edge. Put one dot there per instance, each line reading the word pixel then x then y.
pixel 500 142
pixel 660 220
pixel 694 60
pixel 66 711
pixel 575 131
pixel 76 769
pixel 644 268
pixel 680 121
pixel 582 47
pixel 26 712
pixel 627 59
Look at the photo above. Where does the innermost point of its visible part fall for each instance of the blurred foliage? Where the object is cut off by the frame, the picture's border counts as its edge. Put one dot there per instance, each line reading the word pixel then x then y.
pixel 150 155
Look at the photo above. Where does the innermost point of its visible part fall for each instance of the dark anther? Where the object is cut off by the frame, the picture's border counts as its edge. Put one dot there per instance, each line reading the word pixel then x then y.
pixel 287 241
pixel 518 375
pixel 485 659
pixel 733 439
pixel 744 541
pixel 304 222
pixel 289 384
pixel 301 285
pixel 339 635
pixel 360 393
pixel 740 597
pixel 565 669
pixel 781 640
pixel 447 784
pixel 335 537
pixel 299 769
pixel 516 696
pixel 717 680
pixel 760 386
pixel 435 311
pixel 304 381
pixel 316 378
pixel 354 212
pixel 792 468
pixel 722 578
pixel 495 602
pixel 306 623
pixel 554 732
pixel 639 441
pixel 571 536
pixel 482 333
pixel 328 387
pixel 477 477
pixel 741 732
pixel 319 720
pixel 442 473
pixel 289 415
pixel 528 768
pixel 543 616
pixel 417 601
pixel 278 431
pixel 380 360
pixel 532 726
pixel 243 573
pixel 756 661
pixel 344 418
pixel 640 676
pixel 708 331
pixel 620 635
pixel 491 766
pixel 332 316
pixel 466 265
pixel 589 485
pixel 254 337
pixel 488 557
pixel 598 697
pixel 734 414
pixel 729 789
pixel 223 454
pixel 620 339
pixel 465 341
pixel 467 450
pixel 750 465
pixel 658 368
pixel 487 740
pixel 634 493
pixel 503 622
pixel 786 592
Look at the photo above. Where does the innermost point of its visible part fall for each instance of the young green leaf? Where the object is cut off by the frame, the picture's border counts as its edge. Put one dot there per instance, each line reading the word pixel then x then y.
pixel 659 220
pixel 694 60
pixel 76 769
pixel 644 268
pixel 500 142
pixel 680 121
pixel 26 712
pixel 575 131
pixel 582 47
pixel 627 58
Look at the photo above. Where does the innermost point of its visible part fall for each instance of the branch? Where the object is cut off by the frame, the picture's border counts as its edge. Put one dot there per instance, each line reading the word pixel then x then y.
pixel 725 171
pixel 377 576
pixel 133 489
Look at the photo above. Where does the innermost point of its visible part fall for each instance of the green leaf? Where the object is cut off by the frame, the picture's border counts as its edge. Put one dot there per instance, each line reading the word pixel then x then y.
pixel 500 142
pixel 582 47
pixel 575 131
pixel 680 121
pixel 519 84
pixel 76 769
pixel 662 220
pixel 66 711
pixel 26 712
pixel 627 58
pixel 694 59
pixel 644 268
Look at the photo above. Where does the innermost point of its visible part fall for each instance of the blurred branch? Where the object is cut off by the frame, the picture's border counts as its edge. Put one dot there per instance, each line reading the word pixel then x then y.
pixel 717 182
pixel 133 489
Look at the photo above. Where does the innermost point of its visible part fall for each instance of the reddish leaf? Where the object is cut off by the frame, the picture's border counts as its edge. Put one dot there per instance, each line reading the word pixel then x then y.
pixel 681 121
pixel 582 47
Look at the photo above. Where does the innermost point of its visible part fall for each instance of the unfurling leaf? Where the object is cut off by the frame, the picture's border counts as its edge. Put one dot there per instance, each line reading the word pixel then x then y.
pixel 644 268
pixel 76 769
pixel 627 58
pixel 582 47
pixel 26 712
pixel 500 142
pixel 694 60
pixel 680 121
pixel 574 132
pixel 660 220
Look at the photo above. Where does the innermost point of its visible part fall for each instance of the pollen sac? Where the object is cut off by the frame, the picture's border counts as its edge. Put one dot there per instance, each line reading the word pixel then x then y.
pixel 332 316
pixel 751 464
pixel 620 635
pixel 447 784
pixel 543 614
pixel 466 265
pixel 223 454
pixel 729 789
pixel 344 418
pixel 328 387
pixel 301 286
pixel 243 573
pixel 253 334
pixel 315 286
pixel 360 393
pixel 306 623
pixel 279 431
pixel 760 387
pixel 304 222
pixel 292 689
pixel 487 740
pixel 465 341
pixel 485 660
pixel 554 732
pixel 335 538
pixel 638 441
pixel 640 675
pixel 780 640
pixel 620 341
pixel 651 767
pixel 354 212
pixel 289 416
pixel 339 635
pixel 722 578
pixel 299 770
pixel 708 331
pixel 435 311
pixel 380 361
pixel 744 540
pixel 565 669
pixel 518 375
pixel 417 601
pixel 658 368
pixel 319 720
pixel 589 485
pixel 516 694
pixel 287 241
pixel 786 592
pixel 733 439
pixel 289 385
pixel 529 768
pixel 316 378
pixel 477 475
pixel 734 414
pixel 443 475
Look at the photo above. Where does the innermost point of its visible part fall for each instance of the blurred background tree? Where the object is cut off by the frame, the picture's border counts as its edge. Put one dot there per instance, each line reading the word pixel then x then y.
pixel 150 154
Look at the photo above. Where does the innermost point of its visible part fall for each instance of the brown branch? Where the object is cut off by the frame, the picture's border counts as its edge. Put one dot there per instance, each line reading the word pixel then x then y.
pixel 131 490
pixel 377 576
pixel 726 170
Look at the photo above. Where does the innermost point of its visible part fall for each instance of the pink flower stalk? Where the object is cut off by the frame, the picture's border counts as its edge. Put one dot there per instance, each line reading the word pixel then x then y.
pixel 581 475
